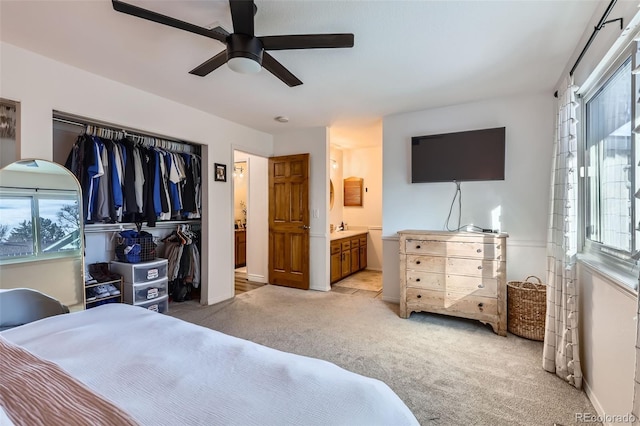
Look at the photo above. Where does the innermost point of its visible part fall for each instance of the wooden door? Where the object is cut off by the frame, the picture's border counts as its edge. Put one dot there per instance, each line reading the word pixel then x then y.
pixel 289 221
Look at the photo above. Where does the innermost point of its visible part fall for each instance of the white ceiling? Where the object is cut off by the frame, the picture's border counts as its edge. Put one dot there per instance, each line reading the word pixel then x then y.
pixel 407 55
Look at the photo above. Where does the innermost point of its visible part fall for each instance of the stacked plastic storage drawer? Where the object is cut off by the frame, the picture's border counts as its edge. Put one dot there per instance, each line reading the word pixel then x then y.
pixel 145 284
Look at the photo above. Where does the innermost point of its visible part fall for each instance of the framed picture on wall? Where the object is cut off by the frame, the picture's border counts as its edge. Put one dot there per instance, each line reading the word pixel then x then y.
pixel 220 172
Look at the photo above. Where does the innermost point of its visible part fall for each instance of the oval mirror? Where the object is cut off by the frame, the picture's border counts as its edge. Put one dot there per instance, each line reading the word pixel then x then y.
pixel 41 231
pixel 330 194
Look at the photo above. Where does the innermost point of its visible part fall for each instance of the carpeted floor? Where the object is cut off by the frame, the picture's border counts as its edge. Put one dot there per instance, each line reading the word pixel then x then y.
pixel 448 371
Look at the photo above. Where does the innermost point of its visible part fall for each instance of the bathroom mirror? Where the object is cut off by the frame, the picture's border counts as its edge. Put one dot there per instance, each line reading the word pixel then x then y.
pixel 330 194
pixel 41 231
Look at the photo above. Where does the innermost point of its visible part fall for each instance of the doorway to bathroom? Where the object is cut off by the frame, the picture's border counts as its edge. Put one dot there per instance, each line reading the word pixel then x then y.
pixel 355 155
pixel 250 220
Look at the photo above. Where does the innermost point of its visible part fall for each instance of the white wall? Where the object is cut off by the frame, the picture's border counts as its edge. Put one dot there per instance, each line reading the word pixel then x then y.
pixel 42 85
pixel 607 339
pixel 8 151
pixel 315 142
pixel 240 189
pixel 258 220
pixel 522 198
pixel 366 163
pixel 336 175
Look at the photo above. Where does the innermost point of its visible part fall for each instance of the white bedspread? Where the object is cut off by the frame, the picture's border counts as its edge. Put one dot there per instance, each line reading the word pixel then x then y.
pixel 164 371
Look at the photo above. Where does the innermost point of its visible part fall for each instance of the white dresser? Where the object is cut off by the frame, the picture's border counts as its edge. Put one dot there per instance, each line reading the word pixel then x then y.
pixel 461 274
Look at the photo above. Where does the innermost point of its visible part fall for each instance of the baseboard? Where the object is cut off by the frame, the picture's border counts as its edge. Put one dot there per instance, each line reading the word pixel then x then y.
pixel 594 400
pixel 256 278
pixel 391 299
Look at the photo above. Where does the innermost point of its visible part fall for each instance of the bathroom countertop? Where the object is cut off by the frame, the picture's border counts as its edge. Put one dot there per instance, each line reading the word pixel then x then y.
pixel 337 235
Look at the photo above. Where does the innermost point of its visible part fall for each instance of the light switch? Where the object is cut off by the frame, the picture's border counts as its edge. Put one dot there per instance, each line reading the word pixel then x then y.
pixel 316 213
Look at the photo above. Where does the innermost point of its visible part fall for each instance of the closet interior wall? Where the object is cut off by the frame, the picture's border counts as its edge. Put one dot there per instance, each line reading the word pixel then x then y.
pixel 101 238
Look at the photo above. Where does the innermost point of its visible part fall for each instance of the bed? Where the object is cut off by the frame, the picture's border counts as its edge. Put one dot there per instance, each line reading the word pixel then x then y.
pixel 152 369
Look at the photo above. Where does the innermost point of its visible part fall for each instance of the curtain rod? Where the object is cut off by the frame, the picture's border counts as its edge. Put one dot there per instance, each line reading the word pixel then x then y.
pixel 603 21
pixel 597 28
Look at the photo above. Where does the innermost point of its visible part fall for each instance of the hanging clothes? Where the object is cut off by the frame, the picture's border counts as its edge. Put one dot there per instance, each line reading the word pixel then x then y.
pixel 183 267
pixel 127 181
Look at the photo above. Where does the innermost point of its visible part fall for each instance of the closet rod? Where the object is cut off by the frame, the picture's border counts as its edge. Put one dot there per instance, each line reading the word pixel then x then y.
pixel 128 132
pixel 38 189
pixel 61 120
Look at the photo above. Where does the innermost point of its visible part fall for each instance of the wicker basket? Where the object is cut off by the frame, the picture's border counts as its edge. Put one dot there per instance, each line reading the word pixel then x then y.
pixel 526 308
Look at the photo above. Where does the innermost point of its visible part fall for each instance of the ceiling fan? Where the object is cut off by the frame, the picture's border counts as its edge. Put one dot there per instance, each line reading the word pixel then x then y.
pixel 245 52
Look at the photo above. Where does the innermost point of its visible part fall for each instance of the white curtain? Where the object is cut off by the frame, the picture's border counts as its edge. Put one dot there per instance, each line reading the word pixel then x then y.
pixel 561 351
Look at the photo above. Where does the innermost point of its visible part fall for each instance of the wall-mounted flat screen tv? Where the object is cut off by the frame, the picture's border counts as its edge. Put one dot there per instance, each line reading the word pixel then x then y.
pixel 462 156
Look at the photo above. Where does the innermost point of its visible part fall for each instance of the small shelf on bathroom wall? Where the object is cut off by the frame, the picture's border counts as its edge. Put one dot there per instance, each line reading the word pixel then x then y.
pixel 353 191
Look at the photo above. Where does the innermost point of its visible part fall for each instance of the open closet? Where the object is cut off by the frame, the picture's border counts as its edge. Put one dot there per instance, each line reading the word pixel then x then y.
pixel 136 184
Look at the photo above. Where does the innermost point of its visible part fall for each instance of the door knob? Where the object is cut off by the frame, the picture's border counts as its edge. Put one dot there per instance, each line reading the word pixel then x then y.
pixel 305 227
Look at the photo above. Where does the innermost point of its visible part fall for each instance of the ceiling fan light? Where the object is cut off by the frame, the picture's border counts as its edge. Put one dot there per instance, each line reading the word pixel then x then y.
pixel 244 65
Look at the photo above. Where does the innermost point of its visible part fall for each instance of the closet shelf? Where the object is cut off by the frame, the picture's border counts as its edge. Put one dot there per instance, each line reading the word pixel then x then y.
pixel 117 227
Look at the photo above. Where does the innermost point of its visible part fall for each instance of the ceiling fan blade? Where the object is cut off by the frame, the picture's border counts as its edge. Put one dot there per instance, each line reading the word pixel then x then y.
pixel 307 41
pixel 277 69
pixel 210 65
pixel 167 20
pixel 220 31
pixel 242 12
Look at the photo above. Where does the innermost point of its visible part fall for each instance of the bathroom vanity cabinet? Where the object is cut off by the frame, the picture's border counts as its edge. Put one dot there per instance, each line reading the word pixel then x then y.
pixel 348 253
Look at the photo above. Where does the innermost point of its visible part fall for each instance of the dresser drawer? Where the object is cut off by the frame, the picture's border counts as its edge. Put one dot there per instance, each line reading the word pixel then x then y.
pixel 336 247
pixel 476 286
pixel 355 242
pixel 451 303
pixel 426 280
pixel 482 250
pixel 145 292
pixel 346 245
pixel 141 272
pixel 363 241
pixel 461 266
pixel 160 305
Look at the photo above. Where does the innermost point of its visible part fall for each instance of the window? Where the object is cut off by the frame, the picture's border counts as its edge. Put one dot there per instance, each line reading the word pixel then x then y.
pixel 38 224
pixel 610 157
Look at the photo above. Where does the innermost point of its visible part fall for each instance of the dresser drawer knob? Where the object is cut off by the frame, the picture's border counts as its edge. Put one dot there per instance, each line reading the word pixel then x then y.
pixel 417 262
pixel 479 251
pixel 480 267
pixel 481 306
pixel 418 246
pixel 481 285
pixel 417 280
pixel 419 296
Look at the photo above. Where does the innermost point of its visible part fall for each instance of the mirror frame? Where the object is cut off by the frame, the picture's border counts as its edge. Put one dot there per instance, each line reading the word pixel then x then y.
pixel 331 194
pixel 59 275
